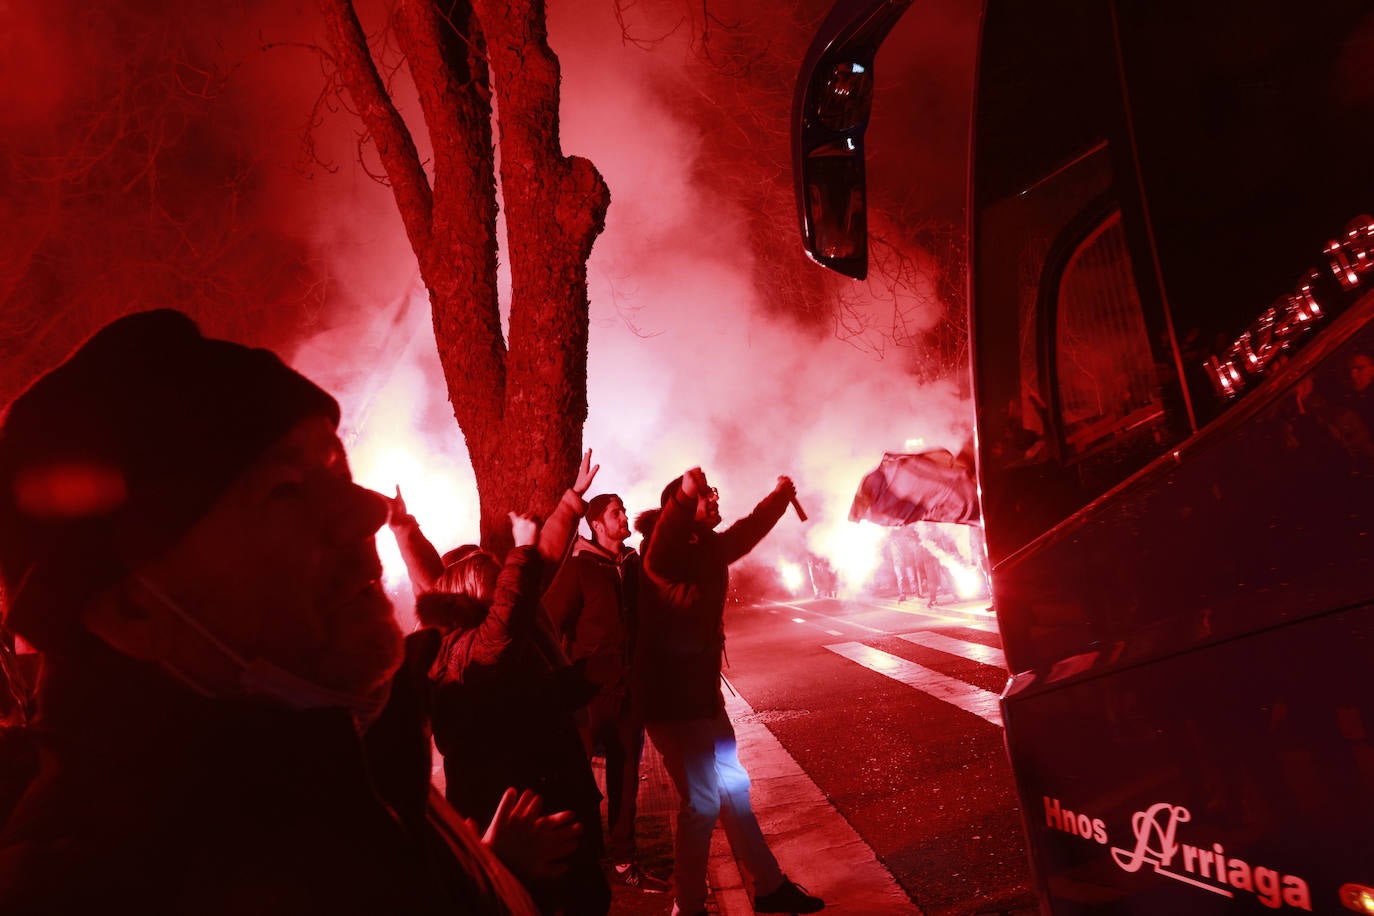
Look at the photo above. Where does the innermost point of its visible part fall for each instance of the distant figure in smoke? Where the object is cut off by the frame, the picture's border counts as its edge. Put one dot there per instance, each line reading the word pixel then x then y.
pixel 677 677
pixel 1361 393
pixel 824 580
pixel 503 707
pixel 181 538
pixel 903 549
pixel 594 601
pixel 644 524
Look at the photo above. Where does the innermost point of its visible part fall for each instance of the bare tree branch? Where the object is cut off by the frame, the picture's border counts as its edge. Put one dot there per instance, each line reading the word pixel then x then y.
pixel 451 82
pixel 445 51
pixel 628 37
pixel 384 123
pixel 549 197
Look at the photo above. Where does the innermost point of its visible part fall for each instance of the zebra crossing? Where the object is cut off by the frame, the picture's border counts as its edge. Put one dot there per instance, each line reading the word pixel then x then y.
pixel 971 650
pixel 968 697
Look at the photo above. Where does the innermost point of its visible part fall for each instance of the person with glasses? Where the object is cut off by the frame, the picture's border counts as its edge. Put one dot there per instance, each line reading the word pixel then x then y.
pixel 676 674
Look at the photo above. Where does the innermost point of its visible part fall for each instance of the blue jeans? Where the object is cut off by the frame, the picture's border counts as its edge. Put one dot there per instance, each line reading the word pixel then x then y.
pixel 701 758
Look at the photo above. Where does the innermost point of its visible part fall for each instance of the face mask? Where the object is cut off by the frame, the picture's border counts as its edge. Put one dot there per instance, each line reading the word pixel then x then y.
pixel 259 677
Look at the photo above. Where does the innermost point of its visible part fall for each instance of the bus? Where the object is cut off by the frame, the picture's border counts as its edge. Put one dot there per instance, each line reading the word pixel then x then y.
pixel 1170 275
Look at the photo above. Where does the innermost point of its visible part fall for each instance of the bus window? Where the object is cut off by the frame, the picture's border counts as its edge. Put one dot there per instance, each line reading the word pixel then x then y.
pixel 1082 395
pixel 1085 392
pixel 1109 401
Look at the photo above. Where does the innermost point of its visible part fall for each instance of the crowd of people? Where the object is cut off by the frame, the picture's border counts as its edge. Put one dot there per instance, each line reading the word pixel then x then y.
pixel 229 719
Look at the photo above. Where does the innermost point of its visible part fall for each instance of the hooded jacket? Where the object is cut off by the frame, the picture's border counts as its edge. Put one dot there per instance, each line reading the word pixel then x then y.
pixel 502 706
pixel 592 602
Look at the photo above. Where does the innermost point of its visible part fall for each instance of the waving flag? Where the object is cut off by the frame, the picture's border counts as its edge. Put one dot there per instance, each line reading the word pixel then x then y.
pixel 927 486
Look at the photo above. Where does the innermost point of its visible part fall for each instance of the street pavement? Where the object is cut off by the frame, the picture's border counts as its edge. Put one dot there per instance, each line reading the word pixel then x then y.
pixel 812 841
pixel 872 737
pixel 871 733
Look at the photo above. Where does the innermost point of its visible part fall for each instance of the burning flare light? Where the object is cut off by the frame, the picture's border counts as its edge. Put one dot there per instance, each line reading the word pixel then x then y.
pixel 855 551
pixel 792 576
pixel 962 568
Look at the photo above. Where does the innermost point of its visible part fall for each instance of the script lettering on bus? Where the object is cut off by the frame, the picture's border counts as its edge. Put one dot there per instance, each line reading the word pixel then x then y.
pixel 1156 843
pixel 1280 327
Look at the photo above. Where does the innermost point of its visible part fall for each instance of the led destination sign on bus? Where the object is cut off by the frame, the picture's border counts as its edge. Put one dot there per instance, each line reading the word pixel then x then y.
pixel 1276 331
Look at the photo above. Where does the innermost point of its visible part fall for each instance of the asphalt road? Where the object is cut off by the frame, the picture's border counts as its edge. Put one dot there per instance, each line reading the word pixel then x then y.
pixel 890 709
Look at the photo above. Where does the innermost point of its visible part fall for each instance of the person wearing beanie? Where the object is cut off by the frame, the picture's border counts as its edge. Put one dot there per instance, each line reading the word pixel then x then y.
pixel 181 539
pixel 680 645
pixel 592 600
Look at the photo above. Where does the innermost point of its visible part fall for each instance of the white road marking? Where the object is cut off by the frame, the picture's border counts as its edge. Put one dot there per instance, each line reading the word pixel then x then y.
pixel 973 615
pixel 834 632
pixel 987 624
pixel 837 620
pixel 977 619
pixel 980 702
pixel 964 649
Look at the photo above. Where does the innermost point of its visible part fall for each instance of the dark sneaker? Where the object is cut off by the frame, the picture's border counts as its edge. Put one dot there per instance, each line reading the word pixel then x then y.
pixel 788 898
pixel 631 875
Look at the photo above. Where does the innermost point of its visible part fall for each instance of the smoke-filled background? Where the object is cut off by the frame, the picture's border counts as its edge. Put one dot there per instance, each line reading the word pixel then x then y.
pixel 202 158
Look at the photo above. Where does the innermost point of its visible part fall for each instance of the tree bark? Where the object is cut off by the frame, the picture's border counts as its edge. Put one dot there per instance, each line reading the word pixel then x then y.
pixel 555 209
pixel 520 405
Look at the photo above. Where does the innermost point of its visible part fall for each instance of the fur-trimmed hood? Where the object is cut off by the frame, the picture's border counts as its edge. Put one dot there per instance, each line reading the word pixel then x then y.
pixel 450 612
pixel 589 548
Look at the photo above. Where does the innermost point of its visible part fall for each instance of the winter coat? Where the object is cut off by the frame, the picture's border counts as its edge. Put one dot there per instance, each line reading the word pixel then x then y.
pixel 399 744
pixel 502 710
pixel 152 799
pixel 592 602
pixel 682 592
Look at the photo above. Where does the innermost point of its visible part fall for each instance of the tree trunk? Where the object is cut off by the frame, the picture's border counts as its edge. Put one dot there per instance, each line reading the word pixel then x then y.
pixel 555 208
pixel 520 406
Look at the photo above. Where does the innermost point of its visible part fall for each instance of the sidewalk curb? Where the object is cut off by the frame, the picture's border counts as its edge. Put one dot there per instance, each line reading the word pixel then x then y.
pixel 725 883
pixel 813 842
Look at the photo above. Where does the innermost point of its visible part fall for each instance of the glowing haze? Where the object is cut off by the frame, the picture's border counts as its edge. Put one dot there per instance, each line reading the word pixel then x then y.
pixel 686 365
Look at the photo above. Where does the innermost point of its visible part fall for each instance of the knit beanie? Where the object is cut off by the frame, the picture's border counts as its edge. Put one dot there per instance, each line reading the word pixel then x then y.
pixel 108 459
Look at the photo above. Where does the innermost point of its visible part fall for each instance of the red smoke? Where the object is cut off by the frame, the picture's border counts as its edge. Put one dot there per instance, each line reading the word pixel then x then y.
pixel 157 155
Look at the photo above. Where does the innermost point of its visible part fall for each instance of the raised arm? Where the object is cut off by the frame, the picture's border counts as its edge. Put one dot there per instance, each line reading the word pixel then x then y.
pixel 557 534
pixel 422 560
pixel 743 535
pixel 515 601
pixel 671 532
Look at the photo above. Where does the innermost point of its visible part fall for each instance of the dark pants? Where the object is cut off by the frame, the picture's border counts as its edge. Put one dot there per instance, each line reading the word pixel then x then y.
pixel 701 757
pixel 612 725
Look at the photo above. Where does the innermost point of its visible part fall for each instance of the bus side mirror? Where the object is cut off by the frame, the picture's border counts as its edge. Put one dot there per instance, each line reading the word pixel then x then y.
pixel 830 114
